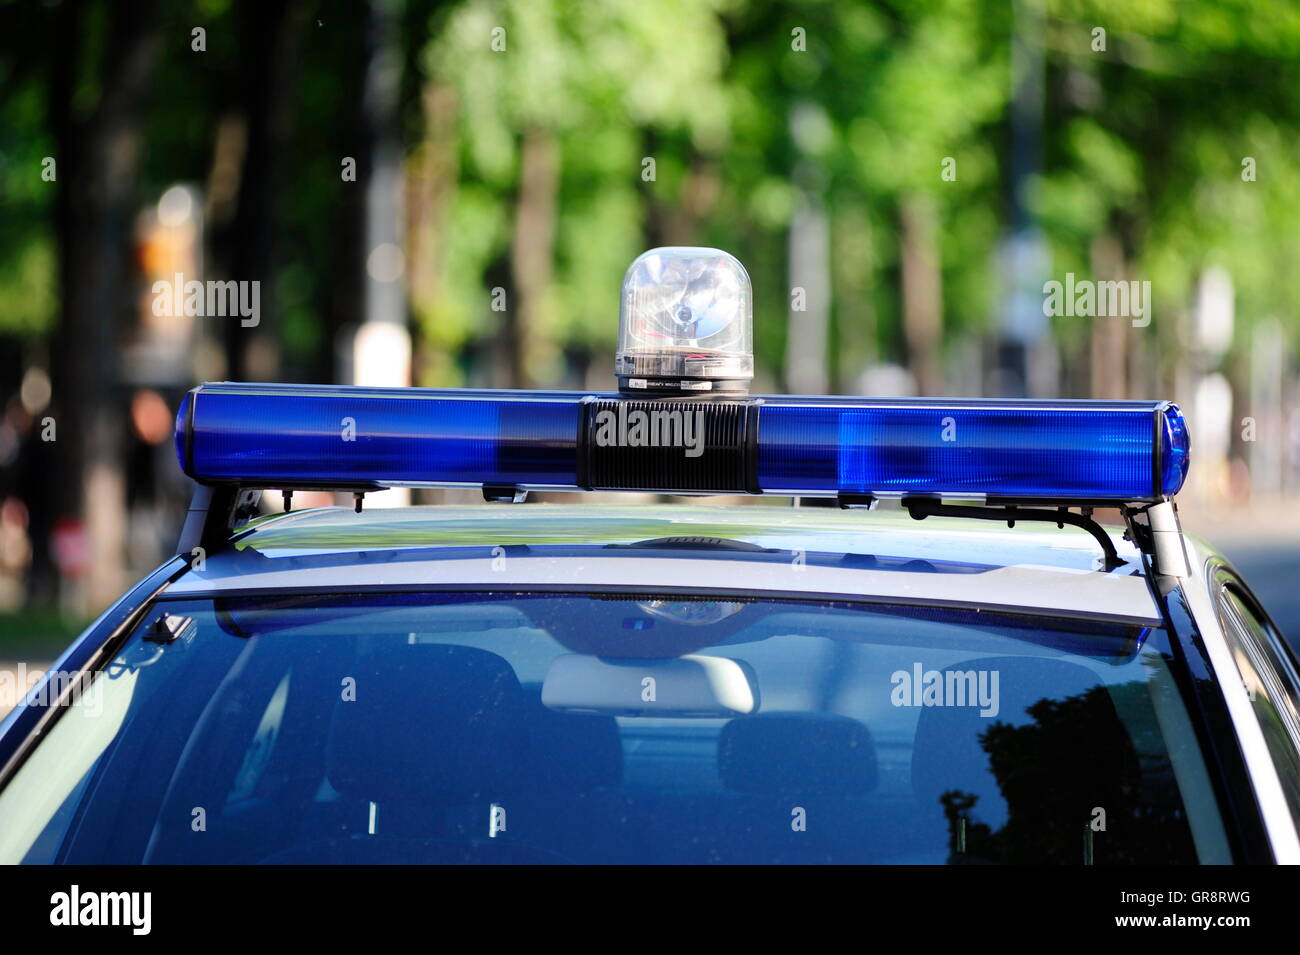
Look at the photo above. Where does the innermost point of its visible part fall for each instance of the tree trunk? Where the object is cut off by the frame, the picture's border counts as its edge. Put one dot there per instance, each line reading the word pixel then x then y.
pixel 809 322
pixel 269 36
pixel 529 348
pixel 430 192
pixel 343 298
pixel 922 293
pixel 97 164
pixel 854 332
pixel 1108 359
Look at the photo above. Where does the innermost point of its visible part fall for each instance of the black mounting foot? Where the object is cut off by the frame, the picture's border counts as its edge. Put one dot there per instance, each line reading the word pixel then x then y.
pixel 504 493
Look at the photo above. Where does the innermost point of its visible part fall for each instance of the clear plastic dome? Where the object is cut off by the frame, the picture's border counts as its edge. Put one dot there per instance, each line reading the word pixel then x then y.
pixel 685 322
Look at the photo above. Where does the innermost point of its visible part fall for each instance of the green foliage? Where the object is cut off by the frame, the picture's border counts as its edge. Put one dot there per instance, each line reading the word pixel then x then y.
pixel 1142 143
pixel 27 304
pixel 27 251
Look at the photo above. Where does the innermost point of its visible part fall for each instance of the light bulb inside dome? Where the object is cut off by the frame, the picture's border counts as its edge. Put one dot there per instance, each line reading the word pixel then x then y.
pixel 685 324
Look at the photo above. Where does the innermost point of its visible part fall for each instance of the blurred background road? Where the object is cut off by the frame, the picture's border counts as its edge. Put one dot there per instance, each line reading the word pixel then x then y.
pixel 944 198
pixel 1263 545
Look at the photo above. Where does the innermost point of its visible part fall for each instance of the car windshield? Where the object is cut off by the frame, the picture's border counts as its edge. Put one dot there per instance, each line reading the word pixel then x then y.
pixel 554 728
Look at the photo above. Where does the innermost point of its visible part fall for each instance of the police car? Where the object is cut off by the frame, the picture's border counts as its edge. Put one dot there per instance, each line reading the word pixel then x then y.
pixel 955 664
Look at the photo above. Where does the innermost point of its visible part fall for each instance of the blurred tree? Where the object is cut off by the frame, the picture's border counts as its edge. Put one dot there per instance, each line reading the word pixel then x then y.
pixel 1145 175
pixel 867 153
pixel 268 36
pixel 99 76
pixel 549 99
pixel 902 87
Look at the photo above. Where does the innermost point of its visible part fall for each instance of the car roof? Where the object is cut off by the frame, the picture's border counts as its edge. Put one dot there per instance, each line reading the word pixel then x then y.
pixel 881 556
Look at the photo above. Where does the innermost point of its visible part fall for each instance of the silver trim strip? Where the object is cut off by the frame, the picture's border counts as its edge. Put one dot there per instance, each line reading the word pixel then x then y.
pixel 1279 825
pixel 1123 599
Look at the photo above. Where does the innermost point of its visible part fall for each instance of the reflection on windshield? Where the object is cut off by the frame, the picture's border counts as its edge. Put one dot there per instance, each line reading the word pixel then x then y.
pixel 36 806
pixel 631 729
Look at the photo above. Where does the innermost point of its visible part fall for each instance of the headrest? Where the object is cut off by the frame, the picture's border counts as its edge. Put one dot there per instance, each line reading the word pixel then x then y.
pixel 797 754
pixel 432 723
pixel 568 752
pixel 693 685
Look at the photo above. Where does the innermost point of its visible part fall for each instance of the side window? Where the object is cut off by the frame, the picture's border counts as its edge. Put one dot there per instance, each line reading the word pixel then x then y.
pixel 1270 679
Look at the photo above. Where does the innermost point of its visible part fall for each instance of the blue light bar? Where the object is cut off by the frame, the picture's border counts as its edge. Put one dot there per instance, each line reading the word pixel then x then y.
pixel 277 436
pixel 1081 450
pixel 353 437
